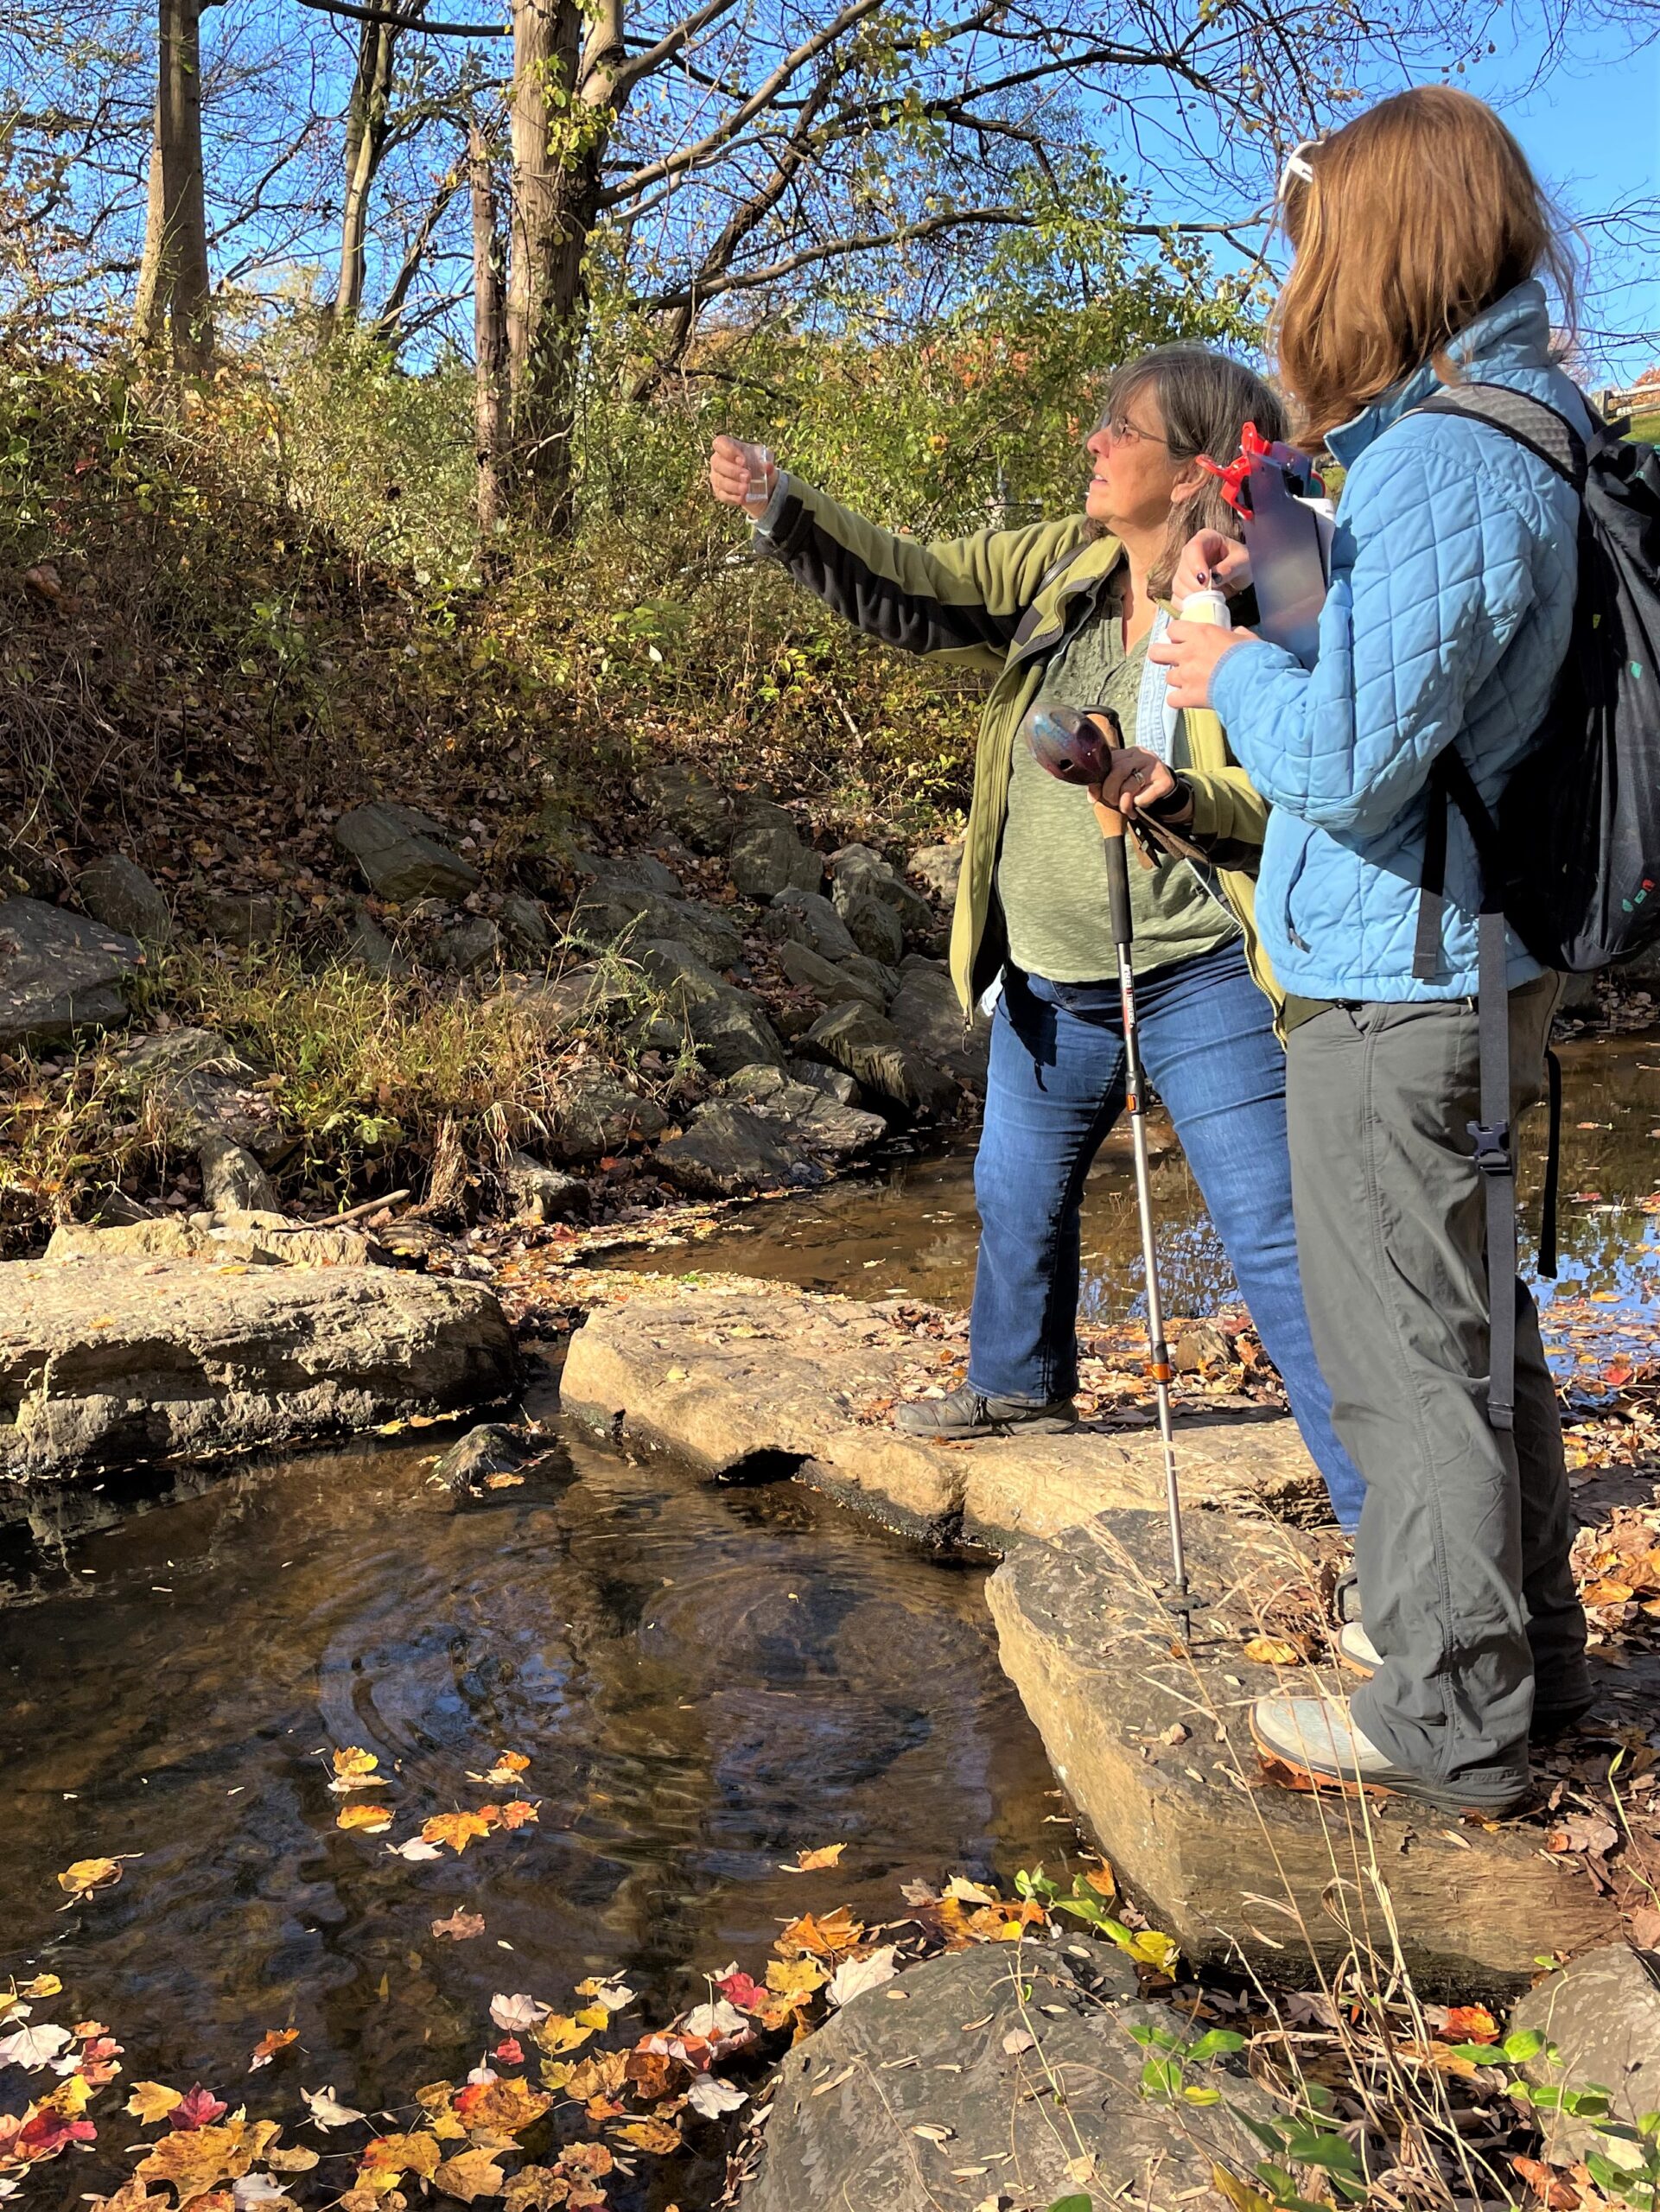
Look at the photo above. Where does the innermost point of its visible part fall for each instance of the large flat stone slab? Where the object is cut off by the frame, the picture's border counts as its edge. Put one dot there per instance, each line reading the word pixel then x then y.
pixel 108 1363
pixel 775 1380
pixel 1226 1862
pixel 989 2076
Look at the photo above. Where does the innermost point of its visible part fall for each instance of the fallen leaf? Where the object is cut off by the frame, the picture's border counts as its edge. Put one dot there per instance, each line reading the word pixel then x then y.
pixel 558 2032
pixel 505 2107
pixel 255 2190
pixel 33 2047
pixel 87 1876
pixel 655 2136
pixel 456 1829
pixel 809 1862
pixel 712 2097
pixel 1469 2023
pixel 197 2108
pixel 741 1990
pixel 198 2159
pixel 510 2051
pixel 516 1813
pixel 416 1847
pixel 1239 2193
pixel 1018 2040
pixel 614 1995
pixel 460 1927
pixel 420 2153
pixel 854 1976
pixel 470 2174
pixel 327 2110
pixel 536 2188
pixel 354 1769
pixel 372 1820
pixel 1272 1652
pixel 931 2131
pixel 1555 2192
pixel 518 2016
pixel 1588 1831
pixel 967 1893
pixel 836 1932
pixel 44 1984
pixel 508 1767
pixel 152 2100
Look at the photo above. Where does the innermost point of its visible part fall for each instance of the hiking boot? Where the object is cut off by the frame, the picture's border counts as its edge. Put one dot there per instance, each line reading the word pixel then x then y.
pixel 1361 1656
pixel 1312 1743
pixel 966 1413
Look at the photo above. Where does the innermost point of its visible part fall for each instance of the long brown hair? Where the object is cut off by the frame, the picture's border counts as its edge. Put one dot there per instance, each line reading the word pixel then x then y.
pixel 1205 400
pixel 1414 218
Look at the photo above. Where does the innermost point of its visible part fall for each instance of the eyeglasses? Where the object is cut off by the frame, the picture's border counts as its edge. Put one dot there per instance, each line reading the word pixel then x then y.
pixel 1297 167
pixel 1119 430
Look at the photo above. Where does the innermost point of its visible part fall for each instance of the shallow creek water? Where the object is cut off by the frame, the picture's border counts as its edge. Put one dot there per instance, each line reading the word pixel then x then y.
pixel 704 1682
pixel 913 1228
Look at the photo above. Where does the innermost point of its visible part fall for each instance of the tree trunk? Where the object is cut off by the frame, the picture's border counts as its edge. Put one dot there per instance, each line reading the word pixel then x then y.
pixel 365 143
pixel 173 308
pixel 489 333
pixel 558 142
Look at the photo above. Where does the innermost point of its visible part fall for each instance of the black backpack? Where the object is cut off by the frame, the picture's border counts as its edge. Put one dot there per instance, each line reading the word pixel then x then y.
pixel 1576 842
pixel 1572 860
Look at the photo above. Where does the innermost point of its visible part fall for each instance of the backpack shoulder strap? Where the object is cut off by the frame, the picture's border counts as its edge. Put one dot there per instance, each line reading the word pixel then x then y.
pixel 1546 433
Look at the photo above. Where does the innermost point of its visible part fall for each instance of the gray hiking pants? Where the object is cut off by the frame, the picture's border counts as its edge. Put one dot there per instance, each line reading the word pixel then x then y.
pixel 1462 1554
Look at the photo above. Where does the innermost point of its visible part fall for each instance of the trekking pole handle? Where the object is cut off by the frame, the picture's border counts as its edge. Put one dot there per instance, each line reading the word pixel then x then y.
pixel 1112 845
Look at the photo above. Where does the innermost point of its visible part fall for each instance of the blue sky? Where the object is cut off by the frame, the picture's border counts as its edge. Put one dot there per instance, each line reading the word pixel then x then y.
pixel 1592 130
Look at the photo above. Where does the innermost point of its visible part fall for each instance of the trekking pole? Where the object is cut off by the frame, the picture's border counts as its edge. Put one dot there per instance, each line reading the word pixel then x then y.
pixel 1067 744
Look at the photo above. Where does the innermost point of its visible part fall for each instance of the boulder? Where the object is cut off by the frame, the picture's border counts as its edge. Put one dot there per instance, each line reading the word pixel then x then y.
pixel 1004 2075
pixel 490 1449
pixel 541 1193
pixel 857 869
pixel 117 1363
pixel 831 1127
pixel 59 973
pixel 874 927
pixel 639 871
pixel 726 1149
pixel 574 1000
pixel 696 808
pixel 616 913
pixel 1152 1745
pixel 369 946
pixel 234 1237
pixel 767 856
pixel 927 1011
pixel 835 1083
pixel 116 890
pixel 830 985
pixel 401 854
pixel 882 1063
pixel 595 1113
pixel 472 944
pixel 787 1379
pixel 729 1028
pixel 1600 2017
pixel 200 1084
pixel 938 866
pixel 231 1175
pixel 241 918
pixel 809 920
pixel 523 924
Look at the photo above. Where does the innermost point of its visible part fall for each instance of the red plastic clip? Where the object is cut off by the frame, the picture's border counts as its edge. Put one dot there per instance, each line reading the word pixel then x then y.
pixel 1252 446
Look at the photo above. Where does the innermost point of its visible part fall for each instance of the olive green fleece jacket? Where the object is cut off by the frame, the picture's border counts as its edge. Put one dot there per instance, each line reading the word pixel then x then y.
pixel 1002 600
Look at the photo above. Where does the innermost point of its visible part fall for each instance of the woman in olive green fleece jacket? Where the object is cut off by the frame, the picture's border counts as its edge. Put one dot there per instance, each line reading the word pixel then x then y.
pixel 1063 613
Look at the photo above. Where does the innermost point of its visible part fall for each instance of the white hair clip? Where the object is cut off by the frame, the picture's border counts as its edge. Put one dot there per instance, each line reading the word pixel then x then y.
pixel 1298 169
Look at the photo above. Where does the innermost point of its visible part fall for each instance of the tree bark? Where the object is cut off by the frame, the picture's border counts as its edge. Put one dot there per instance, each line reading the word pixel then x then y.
pixel 562 119
pixel 489 331
pixel 365 143
pixel 173 309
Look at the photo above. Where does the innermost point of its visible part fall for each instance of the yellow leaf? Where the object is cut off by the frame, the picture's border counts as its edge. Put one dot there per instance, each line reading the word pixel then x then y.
pixel 403 2154
pixel 968 1893
pixel 807 1862
pixel 558 2032
pixel 456 1829
pixel 593 2016
pixel 470 2174
pixel 653 2135
pixel 1272 1651
pixel 296 2161
pixel 1239 2193
pixel 354 1761
pixel 1155 1950
pixel 372 1820
pixel 88 1875
pixel 505 2107
pixel 833 1932
pixel 198 2159
pixel 152 2100
pixel 795 1978
pixel 44 1984
pixel 71 2097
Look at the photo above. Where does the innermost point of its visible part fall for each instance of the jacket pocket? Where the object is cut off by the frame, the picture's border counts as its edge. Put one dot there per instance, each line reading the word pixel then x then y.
pixel 1294 936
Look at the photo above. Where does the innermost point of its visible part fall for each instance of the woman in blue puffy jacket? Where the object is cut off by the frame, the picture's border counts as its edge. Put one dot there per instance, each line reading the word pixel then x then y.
pixel 1421 239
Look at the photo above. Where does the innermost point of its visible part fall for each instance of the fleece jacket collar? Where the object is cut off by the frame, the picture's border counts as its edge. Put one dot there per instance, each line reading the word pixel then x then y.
pixel 1513 333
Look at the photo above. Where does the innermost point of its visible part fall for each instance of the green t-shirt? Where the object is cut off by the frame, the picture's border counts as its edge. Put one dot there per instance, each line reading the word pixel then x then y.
pixel 1052 874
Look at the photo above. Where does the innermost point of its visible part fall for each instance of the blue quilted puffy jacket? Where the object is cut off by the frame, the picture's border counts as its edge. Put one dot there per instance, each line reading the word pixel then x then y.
pixel 1453 570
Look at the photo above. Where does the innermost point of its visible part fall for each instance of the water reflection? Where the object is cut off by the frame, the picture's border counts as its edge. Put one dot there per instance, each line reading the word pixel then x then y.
pixel 702 1679
pixel 912 1230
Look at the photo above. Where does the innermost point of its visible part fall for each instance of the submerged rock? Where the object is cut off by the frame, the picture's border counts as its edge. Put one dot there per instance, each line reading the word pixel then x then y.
pixel 1005 2074
pixel 110 1363
pixel 490 1449
pixel 59 973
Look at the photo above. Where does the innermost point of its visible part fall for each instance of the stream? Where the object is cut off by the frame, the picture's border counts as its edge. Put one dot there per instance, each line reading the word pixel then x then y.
pixel 704 1682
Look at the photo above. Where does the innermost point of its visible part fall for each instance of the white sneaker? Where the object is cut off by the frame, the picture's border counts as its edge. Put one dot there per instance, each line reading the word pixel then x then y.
pixel 1312 1743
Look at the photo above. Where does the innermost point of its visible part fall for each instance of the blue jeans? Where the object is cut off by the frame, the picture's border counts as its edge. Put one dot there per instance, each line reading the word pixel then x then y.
pixel 1056 1086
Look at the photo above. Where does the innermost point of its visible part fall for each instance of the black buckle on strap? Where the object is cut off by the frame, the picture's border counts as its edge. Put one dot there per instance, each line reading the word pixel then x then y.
pixel 1492 1142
